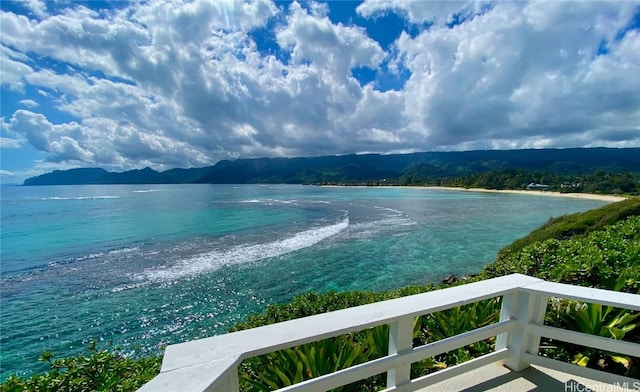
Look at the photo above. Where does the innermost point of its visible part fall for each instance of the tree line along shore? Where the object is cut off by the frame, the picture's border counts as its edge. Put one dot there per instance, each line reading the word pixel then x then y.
pixel 596 248
pixel 597 183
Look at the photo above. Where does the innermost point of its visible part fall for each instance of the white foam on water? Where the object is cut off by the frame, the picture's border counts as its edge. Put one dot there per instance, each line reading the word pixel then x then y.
pixel 212 261
pixel 89 256
pixel 147 190
pixel 389 210
pixel 269 202
pixel 391 221
pixel 375 228
pixel 124 250
pixel 78 198
pixel 128 287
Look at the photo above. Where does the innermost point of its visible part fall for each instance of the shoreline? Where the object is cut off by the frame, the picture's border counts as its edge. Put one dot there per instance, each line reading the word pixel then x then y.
pixel 586 196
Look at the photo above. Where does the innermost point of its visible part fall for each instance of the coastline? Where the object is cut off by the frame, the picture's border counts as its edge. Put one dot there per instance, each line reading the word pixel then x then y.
pixel 588 196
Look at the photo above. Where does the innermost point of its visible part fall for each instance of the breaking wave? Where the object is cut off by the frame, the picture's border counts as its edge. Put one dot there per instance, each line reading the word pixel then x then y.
pixel 212 261
pixel 77 198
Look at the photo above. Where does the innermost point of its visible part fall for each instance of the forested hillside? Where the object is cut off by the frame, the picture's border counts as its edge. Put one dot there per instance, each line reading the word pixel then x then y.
pixel 493 169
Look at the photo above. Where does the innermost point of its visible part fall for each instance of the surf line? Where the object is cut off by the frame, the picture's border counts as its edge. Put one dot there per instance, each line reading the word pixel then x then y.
pixel 246 253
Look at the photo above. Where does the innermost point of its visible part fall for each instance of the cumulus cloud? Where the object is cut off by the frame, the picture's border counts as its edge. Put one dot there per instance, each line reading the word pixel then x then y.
pixel 521 71
pixel 6 142
pixel 61 141
pixel 37 7
pixel 30 103
pixel 430 12
pixel 13 68
pixel 166 84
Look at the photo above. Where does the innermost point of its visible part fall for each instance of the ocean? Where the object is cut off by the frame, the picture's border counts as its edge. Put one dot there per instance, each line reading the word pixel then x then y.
pixel 144 266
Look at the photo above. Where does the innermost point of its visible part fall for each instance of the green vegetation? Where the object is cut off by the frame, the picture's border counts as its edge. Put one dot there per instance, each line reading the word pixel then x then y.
pixel 598 248
pixel 605 258
pixel 98 370
pixel 600 181
pixel 577 224
pixel 597 320
pixel 499 169
pixel 422 174
pixel 285 367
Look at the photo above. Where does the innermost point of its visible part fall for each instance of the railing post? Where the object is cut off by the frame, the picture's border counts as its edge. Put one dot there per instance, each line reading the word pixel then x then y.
pixel 526 308
pixel 229 383
pixel 400 342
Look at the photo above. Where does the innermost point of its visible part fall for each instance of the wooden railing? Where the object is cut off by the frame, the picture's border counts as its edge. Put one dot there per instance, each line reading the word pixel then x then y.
pixel 211 364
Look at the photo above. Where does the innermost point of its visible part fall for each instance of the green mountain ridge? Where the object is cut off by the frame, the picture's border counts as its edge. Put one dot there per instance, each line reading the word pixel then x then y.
pixel 358 168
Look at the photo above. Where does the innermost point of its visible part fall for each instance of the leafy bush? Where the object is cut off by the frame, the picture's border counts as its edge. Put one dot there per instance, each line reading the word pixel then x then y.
pixel 98 370
pixel 601 256
pixel 598 259
pixel 311 303
pixel 289 366
pixel 577 224
pixel 594 319
pixel 286 367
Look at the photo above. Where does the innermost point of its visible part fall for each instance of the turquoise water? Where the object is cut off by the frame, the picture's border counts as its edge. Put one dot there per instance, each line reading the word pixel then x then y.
pixel 154 265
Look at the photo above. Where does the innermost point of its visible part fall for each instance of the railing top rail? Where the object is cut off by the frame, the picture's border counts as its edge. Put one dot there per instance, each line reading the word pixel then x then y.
pixel 274 337
pixel 201 377
pixel 586 294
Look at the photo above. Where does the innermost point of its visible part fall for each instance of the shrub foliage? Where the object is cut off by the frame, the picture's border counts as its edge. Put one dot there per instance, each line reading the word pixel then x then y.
pixel 95 370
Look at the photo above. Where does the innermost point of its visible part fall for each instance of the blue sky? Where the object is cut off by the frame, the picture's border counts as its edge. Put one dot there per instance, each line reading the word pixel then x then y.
pixel 124 85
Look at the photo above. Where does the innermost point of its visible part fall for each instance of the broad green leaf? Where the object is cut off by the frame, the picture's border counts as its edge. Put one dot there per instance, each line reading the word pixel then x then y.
pixel 581 360
pixel 283 377
pixel 617 333
pixel 624 361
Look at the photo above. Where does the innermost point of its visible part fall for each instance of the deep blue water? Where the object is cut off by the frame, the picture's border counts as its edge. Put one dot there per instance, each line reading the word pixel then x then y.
pixel 153 265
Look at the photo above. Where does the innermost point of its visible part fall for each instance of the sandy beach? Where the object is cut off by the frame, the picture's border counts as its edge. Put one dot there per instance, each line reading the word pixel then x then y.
pixel 590 196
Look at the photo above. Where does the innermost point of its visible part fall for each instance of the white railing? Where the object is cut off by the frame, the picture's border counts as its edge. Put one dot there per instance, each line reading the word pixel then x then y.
pixel 211 364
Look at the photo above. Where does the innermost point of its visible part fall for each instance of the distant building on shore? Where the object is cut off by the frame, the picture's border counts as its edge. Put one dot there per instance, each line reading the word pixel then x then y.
pixel 539 187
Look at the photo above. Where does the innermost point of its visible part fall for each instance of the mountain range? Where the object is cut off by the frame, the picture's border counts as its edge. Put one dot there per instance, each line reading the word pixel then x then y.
pixel 361 168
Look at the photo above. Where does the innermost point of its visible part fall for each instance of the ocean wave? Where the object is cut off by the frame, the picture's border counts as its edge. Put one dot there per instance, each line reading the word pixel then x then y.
pixel 84 257
pixel 128 287
pixel 250 201
pixel 147 190
pixel 398 212
pixel 366 230
pixel 212 261
pixel 269 202
pixel 120 251
pixel 57 198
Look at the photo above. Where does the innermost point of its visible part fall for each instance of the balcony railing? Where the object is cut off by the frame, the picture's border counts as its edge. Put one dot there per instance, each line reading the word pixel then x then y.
pixel 211 364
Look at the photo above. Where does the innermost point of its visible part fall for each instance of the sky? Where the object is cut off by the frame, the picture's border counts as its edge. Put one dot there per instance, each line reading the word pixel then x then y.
pixel 163 84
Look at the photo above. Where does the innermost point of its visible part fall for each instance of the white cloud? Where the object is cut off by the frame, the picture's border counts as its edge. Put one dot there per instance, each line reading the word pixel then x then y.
pixel 513 75
pixel 167 84
pixel 37 7
pixel 418 12
pixel 13 69
pixel 29 103
pixel 314 38
pixel 6 142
